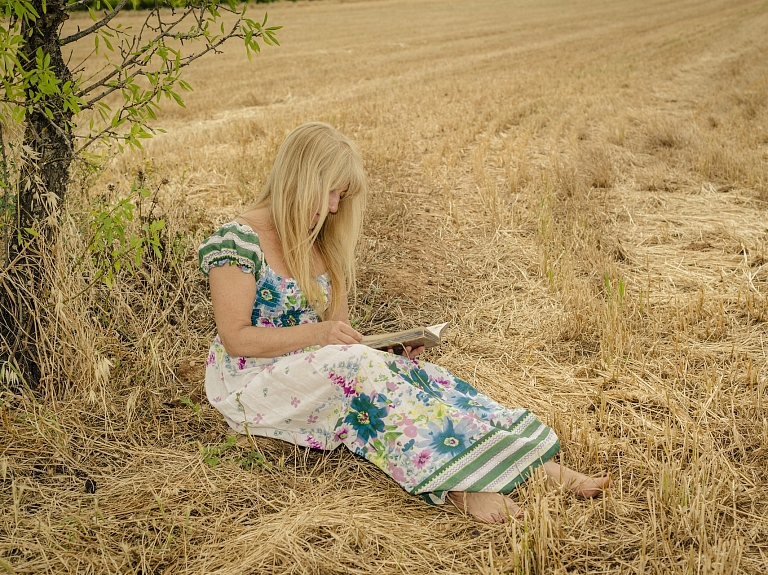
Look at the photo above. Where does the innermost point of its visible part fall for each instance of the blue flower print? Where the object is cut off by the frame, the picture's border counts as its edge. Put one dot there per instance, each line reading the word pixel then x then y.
pixel 425 398
pixel 449 438
pixel 269 294
pixel 468 404
pixel 463 387
pixel 291 317
pixel 420 378
pixel 365 417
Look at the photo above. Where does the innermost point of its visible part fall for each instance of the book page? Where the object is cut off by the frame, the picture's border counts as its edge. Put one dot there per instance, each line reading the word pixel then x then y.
pixel 426 336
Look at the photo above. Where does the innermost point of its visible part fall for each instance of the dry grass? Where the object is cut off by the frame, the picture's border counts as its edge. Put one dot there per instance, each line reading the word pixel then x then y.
pixel 581 188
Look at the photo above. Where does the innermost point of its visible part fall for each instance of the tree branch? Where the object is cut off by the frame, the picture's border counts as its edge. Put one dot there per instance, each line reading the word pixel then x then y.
pixel 108 130
pixel 136 55
pixel 90 30
pixel 77 4
pixel 134 60
pixel 118 86
pixel 6 182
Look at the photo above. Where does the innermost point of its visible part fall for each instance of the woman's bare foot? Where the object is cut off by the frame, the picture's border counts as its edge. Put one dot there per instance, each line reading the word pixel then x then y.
pixel 486 507
pixel 578 483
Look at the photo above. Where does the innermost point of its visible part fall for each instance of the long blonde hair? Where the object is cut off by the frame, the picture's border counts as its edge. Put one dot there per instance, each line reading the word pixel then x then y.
pixel 314 160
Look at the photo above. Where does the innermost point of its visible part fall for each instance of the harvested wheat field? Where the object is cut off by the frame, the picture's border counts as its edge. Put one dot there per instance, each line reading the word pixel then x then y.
pixel 580 187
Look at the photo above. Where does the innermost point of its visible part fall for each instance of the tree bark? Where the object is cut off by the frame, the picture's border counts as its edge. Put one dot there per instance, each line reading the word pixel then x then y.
pixel 44 177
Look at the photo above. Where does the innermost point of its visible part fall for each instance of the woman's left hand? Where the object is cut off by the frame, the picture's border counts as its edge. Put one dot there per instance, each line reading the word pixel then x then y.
pixel 410 352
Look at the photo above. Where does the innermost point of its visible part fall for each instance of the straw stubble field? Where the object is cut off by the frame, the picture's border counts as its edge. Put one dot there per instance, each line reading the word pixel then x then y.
pixel 581 188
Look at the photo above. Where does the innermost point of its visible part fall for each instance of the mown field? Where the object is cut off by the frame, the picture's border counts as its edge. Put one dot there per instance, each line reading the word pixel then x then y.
pixel 580 187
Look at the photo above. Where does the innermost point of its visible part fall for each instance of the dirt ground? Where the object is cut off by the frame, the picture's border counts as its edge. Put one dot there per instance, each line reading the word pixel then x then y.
pixel 579 187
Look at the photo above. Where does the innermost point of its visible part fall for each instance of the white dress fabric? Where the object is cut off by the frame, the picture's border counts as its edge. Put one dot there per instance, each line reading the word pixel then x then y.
pixel 430 431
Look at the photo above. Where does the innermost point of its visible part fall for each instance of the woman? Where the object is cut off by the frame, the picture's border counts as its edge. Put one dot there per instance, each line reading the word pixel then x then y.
pixel 287 363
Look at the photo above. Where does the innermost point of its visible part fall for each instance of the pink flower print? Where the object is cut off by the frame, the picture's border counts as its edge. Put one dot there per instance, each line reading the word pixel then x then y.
pixel 312 419
pixel 258 418
pixel 269 368
pixel 442 381
pixel 217 399
pixel 349 387
pixel 314 443
pixel 310 357
pixel 241 363
pixel 410 430
pixel 397 473
pixel 295 401
pixel 391 386
pixel 345 348
pixel 422 458
pixel 211 359
pixel 341 434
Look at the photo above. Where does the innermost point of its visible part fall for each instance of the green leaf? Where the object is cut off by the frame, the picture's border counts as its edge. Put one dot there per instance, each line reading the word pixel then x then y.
pixel 391 436
pixel 178 99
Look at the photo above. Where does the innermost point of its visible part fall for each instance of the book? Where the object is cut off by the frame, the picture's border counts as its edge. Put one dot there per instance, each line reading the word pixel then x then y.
pixel 396 341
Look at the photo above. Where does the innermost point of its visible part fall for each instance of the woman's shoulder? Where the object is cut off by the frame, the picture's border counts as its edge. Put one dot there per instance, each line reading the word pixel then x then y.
pixel 235 243
pixel 240 233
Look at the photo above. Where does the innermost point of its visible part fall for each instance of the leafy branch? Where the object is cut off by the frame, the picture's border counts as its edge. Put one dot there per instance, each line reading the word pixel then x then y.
pixel 90 30
pixel 141 66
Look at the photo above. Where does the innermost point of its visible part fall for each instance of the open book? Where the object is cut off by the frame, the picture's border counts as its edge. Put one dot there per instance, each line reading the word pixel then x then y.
pixel 396 341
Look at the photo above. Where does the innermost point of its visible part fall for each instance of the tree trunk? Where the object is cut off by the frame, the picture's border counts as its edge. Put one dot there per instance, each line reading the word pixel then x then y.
pixel 44 177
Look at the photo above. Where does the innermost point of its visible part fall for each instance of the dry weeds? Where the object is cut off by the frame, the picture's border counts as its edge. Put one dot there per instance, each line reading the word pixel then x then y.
pixel 581 188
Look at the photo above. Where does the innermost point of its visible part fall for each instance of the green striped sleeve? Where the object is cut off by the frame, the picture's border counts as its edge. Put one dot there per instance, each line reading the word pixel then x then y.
pixel 234 244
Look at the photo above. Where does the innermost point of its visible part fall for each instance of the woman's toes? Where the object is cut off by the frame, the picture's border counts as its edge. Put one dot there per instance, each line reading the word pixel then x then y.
pixel 491 508
pixel 509 509
pixel 593 486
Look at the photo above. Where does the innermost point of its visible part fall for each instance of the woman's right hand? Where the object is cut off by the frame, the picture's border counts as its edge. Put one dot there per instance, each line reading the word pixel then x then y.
pixel 336 332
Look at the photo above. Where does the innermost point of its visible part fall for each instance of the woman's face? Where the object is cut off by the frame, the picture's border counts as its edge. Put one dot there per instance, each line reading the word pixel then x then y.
pixel 333 204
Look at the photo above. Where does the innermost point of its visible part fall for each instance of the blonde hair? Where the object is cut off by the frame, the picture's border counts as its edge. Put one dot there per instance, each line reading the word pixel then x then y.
pixel 314 160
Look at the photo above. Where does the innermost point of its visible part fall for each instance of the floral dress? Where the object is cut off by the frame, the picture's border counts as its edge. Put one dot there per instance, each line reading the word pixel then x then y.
pixel 427 429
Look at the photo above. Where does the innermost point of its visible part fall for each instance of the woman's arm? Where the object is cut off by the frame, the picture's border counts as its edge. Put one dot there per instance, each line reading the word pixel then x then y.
pixel 233 293
pixel 343 313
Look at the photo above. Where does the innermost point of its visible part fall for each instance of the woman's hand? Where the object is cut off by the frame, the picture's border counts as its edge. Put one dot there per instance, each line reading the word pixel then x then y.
pixel 337 332
pixel 409 352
